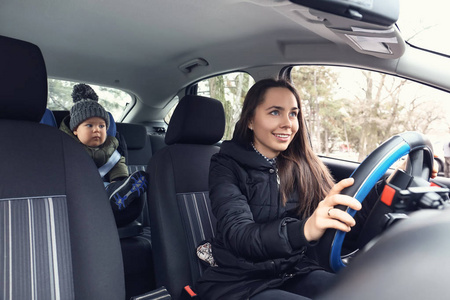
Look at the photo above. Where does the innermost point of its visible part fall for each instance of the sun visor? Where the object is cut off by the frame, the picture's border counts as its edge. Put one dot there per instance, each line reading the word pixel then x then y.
pixel 379 41
pixel 368 26
pixel 377 12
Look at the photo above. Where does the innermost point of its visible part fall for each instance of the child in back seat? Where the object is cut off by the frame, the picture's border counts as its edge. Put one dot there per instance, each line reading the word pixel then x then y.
pixel 82 91
pixel 87 123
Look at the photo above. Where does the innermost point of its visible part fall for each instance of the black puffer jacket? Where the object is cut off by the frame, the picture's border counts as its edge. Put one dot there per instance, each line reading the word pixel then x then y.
pixel 259 242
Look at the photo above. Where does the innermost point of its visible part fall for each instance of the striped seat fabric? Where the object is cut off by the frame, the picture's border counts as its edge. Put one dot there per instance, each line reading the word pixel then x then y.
pixel 35 253
pixel 199 222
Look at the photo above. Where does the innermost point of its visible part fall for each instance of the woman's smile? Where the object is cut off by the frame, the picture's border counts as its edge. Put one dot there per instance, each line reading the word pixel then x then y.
pixel 282 137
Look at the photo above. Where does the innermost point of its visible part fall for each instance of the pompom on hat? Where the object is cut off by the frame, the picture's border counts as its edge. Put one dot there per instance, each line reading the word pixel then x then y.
pixel 85 109
pixel 83 91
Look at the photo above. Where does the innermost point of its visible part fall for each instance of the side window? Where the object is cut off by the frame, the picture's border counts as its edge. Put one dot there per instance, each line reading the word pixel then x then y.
pixel 350 112
pixel 230 89
pixel 60 97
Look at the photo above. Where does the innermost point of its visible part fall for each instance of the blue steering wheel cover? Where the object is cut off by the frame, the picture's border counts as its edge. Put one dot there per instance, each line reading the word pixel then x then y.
pixel 388 160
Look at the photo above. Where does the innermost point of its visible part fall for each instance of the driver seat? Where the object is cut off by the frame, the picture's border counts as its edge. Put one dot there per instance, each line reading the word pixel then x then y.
pixel 58 237
pixel 180 213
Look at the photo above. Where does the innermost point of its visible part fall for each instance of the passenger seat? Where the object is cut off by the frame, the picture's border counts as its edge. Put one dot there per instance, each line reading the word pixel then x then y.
pixel 58 235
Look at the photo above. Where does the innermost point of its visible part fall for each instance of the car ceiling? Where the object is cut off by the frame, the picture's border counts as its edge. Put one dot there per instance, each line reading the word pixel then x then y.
pixel 139 45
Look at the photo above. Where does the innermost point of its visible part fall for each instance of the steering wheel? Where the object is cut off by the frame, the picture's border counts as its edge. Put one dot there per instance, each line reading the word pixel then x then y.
pixel 367 175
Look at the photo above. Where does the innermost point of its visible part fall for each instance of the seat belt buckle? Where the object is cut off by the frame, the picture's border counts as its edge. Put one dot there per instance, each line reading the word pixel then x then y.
pixel 190 291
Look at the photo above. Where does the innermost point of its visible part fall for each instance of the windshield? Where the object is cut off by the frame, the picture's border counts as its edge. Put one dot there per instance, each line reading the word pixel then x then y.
pixel 425 24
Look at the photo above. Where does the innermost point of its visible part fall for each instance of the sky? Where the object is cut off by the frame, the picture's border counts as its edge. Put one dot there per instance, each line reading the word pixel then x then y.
pixel 427 22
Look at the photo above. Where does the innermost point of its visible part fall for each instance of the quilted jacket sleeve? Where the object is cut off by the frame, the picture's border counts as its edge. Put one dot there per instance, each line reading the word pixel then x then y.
pixel 236 226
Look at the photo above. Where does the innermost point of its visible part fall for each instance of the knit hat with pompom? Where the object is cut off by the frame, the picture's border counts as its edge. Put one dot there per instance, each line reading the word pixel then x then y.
pixel 85 109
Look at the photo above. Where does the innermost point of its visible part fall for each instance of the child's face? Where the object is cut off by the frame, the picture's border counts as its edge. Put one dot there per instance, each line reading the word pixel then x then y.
pixel 92 132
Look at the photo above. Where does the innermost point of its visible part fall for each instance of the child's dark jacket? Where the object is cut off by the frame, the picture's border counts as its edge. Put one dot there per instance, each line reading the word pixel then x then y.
pixel 101 154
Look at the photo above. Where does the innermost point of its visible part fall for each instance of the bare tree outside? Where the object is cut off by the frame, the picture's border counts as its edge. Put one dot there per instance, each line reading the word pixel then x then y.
pixel 60 97
pixel 230 89
pixel 350 112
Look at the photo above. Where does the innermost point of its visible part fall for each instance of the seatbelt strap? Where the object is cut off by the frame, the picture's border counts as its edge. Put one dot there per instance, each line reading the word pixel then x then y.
pixel 112 161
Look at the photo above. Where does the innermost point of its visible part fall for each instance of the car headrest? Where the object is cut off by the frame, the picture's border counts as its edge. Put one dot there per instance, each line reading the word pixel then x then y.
pixel 23 81
pixel 135 135
pixel 196 120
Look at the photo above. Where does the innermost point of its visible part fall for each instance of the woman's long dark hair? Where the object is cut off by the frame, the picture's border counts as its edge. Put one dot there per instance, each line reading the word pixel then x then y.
pixel 298 167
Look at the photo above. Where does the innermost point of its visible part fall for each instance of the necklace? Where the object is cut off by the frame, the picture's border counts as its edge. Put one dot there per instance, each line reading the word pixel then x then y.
pixel 272 161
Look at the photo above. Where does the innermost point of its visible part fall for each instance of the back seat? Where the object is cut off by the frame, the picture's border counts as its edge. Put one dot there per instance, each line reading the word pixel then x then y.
pixel 139 273
pixel 139 145
pixel 135 237
pixel 140 148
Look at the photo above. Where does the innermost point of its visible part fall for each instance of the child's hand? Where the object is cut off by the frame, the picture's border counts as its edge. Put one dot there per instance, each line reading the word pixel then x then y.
pixel 326 216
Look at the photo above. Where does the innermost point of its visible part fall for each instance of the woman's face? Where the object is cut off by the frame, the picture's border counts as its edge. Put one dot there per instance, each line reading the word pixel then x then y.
pixel 275 122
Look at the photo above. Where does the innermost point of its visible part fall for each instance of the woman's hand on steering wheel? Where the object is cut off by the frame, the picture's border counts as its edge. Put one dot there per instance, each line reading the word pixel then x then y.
pixel 326 216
